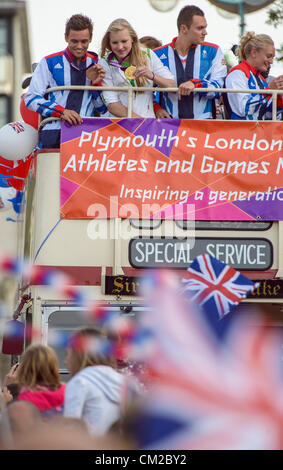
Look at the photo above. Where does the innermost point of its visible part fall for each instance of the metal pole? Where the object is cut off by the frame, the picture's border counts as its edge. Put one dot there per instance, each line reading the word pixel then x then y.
pixel 130 102
pixel 241 11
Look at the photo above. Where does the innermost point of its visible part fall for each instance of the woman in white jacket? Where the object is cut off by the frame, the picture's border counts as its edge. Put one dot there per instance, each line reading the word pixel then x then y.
pixel 128 64
pixel 95 392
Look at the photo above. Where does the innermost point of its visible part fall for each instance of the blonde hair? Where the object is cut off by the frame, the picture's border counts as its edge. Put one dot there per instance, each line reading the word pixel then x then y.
pixel 83 356
pixel 137 57
pixel 252 41
pixel 39 367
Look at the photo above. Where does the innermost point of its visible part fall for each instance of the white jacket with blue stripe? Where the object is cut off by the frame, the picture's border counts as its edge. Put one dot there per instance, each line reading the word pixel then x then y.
pixel 209 71
pixel 55 70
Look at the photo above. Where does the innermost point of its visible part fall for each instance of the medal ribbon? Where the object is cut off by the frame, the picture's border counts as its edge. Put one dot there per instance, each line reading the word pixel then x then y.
pixel 72 64
pixel 117 63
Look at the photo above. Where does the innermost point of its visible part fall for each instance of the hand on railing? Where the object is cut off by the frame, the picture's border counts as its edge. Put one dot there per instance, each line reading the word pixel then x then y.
pixel 185 89
pixel 72 117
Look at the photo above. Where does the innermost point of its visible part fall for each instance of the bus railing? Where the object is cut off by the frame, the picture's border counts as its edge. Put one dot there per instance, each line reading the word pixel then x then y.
pixel 130 90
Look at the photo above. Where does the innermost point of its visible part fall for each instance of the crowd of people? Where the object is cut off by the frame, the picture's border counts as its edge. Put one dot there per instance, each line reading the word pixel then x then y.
pixel 187 63
pixel 92 404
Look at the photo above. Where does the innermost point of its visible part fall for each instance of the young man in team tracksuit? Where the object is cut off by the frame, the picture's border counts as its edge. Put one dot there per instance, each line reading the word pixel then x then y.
pixel 194 64
pixel 67 67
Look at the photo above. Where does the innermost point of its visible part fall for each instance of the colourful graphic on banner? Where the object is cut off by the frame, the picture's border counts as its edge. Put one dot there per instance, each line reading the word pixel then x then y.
pixel 180 169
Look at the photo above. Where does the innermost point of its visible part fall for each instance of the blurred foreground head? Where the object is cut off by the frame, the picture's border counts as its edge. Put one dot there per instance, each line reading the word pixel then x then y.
pixel 62 433
pixel 23 417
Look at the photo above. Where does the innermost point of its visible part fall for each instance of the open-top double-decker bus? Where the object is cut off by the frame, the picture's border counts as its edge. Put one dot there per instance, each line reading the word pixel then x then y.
pixel 123 196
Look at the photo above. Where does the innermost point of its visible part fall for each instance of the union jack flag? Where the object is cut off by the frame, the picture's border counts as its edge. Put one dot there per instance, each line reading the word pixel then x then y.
pixel 15 172
pixel 17 127
pixel 205 393
pixel 218 288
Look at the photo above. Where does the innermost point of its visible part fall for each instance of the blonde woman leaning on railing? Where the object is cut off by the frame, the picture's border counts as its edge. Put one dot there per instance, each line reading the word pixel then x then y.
pixel 256 53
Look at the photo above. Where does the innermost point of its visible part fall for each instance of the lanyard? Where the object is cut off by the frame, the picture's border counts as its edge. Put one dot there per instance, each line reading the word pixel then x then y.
pixel 72 64
pixel 118 63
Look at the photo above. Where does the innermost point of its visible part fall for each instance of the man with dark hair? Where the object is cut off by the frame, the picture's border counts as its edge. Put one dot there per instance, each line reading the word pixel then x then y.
pixel 65 68
pixel 194 64
pixel 186 15
pixel 79 23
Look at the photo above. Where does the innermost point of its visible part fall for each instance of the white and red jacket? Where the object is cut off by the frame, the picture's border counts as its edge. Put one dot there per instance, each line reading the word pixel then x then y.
pixel 248 106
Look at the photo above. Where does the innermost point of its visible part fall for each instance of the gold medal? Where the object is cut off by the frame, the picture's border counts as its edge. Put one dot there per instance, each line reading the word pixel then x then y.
pixel 129 72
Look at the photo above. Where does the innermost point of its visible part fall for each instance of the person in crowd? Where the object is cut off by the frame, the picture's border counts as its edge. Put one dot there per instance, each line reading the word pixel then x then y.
pixel 38 379
pixel 194 63
pixel 150 42
pixel 67 67
pixel 127 64
pixel 256 53
pixel 96 390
